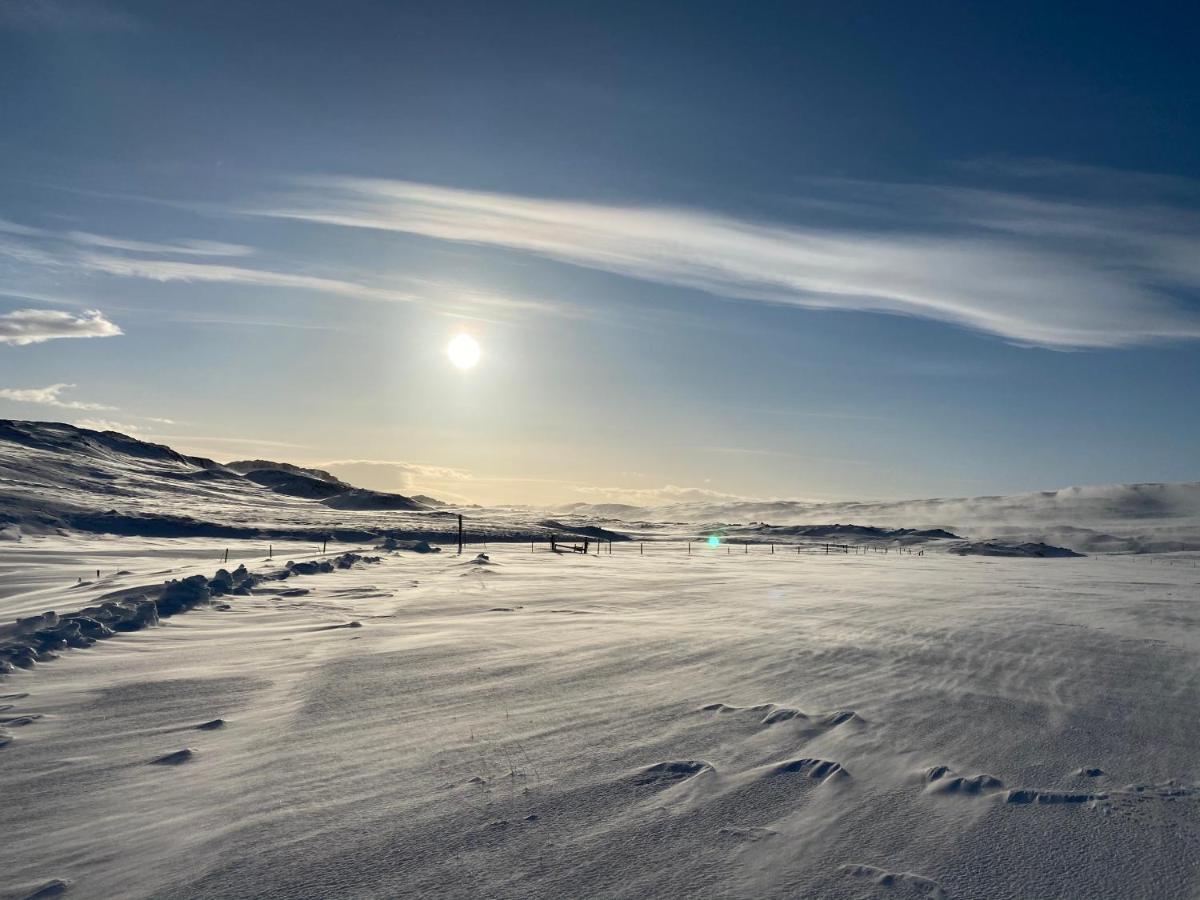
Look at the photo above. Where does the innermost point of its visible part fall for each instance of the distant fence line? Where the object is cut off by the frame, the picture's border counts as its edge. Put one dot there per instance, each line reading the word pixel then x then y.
pixel 590 546
pixel 604 547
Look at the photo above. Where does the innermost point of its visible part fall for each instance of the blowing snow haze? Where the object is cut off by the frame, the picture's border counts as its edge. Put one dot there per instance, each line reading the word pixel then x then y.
pixel 541 450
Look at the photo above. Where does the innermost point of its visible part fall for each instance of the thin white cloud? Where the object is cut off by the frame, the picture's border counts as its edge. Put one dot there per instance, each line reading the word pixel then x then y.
pixel 461 302
pixel 48 396
pixel 171 270
pixel 88 253
pixel 22 252
pixel 189 247
pixel 465 300
pixel 210 439
pixel 1034 271
pixel 33 326
pixel 181 248
pixel 107 425
pixel 9 227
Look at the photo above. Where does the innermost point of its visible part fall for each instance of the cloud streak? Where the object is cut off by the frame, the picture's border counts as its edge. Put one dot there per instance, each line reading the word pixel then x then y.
pixel 48 396
pixel 464 302
pixel 34 326
pixel 126 245
pixel 181 248
pixel 1032 270
pixel 171 270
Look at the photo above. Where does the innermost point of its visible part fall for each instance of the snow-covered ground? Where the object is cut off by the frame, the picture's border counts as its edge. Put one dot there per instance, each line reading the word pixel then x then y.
pixel 726 725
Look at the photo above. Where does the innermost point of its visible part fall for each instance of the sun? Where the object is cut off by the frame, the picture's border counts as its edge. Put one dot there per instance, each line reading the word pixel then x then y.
pixel 463 351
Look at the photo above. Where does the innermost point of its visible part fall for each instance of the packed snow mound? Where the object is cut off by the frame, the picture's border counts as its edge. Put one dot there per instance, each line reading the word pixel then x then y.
pixel 365 499
pixel 40 638
pixel 999 548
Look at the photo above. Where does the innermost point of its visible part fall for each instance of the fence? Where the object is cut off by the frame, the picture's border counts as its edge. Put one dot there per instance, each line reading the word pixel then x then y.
pixel 596 547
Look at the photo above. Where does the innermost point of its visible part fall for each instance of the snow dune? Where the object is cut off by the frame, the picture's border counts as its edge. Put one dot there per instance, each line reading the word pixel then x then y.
pixel 744 725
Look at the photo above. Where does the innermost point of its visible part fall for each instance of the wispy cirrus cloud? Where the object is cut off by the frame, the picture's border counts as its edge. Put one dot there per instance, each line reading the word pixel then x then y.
pixel 34 326
pixel 189 247
pixel 173 270
pixel 464 301
pixel 1033 270
pixel 51 395
pixel 180 248
pixel 88 253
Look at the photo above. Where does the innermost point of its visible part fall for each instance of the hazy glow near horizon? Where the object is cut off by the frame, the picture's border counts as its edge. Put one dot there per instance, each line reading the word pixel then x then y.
pixel 463 351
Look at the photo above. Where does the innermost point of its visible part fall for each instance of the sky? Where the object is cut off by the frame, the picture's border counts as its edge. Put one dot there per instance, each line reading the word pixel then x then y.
pixel 802 250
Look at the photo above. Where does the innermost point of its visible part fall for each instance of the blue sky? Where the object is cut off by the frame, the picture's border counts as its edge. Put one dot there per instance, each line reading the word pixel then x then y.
pixel 770 250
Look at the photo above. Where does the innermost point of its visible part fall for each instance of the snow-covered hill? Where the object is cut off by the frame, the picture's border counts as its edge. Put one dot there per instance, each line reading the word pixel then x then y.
pixel 55 476
pixel 1116 518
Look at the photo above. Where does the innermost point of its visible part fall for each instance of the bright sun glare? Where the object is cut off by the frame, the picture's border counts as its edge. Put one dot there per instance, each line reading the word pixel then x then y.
pixel 463 351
